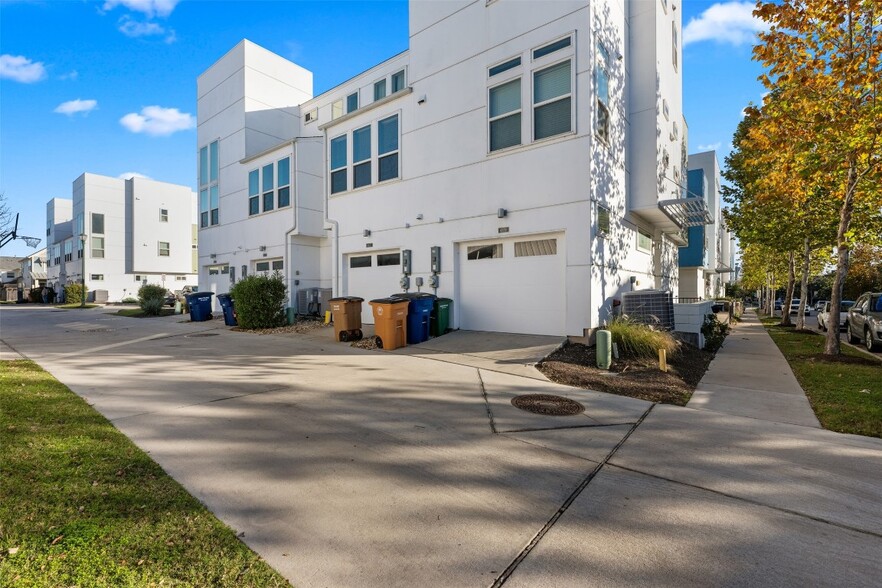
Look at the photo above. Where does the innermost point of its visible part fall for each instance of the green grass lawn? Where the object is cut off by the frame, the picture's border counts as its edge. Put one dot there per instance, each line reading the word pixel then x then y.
pixel 138 313
pixel 76 305
pixel 846 395
pixel 81 505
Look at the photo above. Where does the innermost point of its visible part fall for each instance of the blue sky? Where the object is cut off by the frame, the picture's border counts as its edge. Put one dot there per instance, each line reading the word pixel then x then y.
pixel 109 86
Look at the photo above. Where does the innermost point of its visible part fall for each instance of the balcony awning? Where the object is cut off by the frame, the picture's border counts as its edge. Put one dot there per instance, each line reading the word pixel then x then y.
pixel 686 212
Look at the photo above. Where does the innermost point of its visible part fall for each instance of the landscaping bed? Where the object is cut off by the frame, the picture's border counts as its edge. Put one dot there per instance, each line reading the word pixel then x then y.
pixel 575 364
pixel 301 325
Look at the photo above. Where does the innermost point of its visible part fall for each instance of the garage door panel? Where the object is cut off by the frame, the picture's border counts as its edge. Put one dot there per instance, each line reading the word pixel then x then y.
pixel 521 293
pixel 377 280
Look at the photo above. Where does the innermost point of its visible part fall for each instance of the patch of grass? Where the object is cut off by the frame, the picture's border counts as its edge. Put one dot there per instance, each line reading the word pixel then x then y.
pixel 139 313
pixel 845 392
pixel 76 305
pixel 83 506
pixel 639 340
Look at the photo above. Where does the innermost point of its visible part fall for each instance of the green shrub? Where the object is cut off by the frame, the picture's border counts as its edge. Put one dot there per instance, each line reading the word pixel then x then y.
pixel 129 300
pixel 35 295
pixel 259 301
pixel 640 340
pixel 714 332
pixel 73 293
pixel 151 298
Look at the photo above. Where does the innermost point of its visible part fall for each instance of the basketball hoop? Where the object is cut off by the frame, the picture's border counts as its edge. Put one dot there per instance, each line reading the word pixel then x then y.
pixel 30 241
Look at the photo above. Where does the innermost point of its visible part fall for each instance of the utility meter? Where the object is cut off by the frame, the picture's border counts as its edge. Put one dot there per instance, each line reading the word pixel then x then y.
pixel 436 259
pixel 433 281
pixel 405 261
pixel 404 282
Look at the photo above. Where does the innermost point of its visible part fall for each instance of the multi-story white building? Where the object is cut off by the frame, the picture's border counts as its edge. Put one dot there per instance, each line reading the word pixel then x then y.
pixel 524 159
pixel 707 261
pixel 136 231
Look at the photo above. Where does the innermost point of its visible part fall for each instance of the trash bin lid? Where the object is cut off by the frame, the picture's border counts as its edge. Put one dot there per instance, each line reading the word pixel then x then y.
pixel 413 295
pixel 389 300
pixel 346 299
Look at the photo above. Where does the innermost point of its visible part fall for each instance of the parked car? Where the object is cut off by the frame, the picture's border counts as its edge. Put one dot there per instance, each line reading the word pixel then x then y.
pixel 819 305
pixel 865 321
pixel 170 298
pixel 824 321
pixel 794 307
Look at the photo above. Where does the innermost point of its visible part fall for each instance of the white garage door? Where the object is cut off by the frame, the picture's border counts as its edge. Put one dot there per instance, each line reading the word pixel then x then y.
pixel 372 275
pixel 512 285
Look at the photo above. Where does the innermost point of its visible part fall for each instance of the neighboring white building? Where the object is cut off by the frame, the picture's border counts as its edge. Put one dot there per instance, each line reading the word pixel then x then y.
pixel 707 262
pixel 33 270
pixel 532 170
pixel 138 231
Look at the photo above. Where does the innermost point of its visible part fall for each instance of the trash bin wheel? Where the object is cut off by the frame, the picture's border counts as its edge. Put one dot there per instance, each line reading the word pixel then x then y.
pixel 344 336
pixel 379 342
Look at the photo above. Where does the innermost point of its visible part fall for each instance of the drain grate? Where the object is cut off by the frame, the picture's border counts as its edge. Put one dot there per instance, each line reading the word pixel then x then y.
pixel 547 404
pixel 202 335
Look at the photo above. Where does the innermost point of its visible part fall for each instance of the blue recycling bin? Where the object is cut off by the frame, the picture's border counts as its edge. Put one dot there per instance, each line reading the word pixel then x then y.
pixel 226 302
pixel 419 309
pixel 200 306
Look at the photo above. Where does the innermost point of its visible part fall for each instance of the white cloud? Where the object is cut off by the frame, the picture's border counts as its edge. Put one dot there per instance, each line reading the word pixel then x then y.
pixel 73 75
pixel 158 121
pixel 710 147
pixel 72 107
pixel 134 28
pixel 21 69
pixel 129 175
pixel 725 22
pixel 150 8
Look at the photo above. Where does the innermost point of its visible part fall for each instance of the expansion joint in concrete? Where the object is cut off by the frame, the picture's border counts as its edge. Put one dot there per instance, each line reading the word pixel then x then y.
pixel 506 574
pixel 486 403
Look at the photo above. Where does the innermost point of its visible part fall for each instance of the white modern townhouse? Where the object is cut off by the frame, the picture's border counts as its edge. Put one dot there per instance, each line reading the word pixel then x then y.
pixel 707 262
pixel 526 159
pixel 133 232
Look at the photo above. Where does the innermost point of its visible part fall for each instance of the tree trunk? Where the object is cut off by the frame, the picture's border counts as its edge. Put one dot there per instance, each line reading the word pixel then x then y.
pixel 831 345
pixel 791 286
pixel 803 286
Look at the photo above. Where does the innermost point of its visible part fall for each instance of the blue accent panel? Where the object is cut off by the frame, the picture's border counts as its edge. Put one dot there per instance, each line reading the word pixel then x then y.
pixel 695 183
pixel 693 254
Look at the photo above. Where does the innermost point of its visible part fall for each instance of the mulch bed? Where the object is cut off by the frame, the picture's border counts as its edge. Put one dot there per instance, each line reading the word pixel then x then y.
pixel 300 326
pixel 575 364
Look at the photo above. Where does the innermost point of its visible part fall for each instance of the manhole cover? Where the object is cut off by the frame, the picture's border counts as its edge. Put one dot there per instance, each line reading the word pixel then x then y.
pixel 547 404
pixel 202 335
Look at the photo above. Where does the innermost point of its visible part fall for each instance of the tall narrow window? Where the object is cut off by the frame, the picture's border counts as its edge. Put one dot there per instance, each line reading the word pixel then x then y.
pixel 675 51
pixel 163 215
pixel 268 194
pixel 361 157
pixel 338 164
pixel 253 192
pixel 552 109
pixel 602 220
pixel 209 174
pixel 505 115
pixel 387 148
pixel 164 249
pixel 97 246
pixel 352 102
pixel 601 80
pixel 398 81
pixel 379 90
pixel 283 175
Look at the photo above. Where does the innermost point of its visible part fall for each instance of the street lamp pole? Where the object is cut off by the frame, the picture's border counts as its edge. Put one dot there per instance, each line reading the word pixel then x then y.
pixel 83 268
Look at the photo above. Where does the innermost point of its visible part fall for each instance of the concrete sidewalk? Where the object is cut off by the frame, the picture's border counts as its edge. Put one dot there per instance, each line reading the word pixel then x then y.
pixel 750 377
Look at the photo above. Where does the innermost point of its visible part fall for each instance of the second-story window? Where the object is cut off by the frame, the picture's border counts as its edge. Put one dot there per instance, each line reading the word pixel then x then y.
pixel 283 171
pixel 505 115
pixel 163 215
pixel 164 249
pixel 268 192
pixel 209 197
pixel 338 164
pixel 552 103
pixel 387 147
pixel 253 192
pixel 361 157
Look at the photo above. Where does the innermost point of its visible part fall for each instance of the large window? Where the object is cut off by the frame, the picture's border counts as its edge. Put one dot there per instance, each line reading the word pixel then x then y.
pixel 97 223
pixel 269 195
pixel 552 101
pixel 97 246
pixel 505 115
pixel 209 171
pixel 338 164
pixel 387 146
pixel 361 157
pixel 365 166
pixel 283 176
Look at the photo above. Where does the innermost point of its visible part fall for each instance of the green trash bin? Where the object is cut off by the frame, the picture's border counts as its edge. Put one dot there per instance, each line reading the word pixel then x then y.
pixel 439 320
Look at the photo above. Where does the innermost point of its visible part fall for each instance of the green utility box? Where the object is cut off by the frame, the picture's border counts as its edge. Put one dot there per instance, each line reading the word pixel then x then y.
pixel 439 320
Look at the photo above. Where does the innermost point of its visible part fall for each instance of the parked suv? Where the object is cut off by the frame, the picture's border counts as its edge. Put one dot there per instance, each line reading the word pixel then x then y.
pixel 865 320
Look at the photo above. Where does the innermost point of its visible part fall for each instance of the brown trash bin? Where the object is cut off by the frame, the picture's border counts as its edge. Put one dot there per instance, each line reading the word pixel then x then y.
pixel 390 322
pixel 346 312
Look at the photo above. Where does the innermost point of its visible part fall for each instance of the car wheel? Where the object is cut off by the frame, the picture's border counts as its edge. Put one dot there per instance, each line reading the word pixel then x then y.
pixel 851 338
pixel 868 341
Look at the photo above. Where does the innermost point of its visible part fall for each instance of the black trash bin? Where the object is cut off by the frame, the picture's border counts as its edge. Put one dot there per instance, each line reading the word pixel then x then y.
pixel 200 306
pixel 226 302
